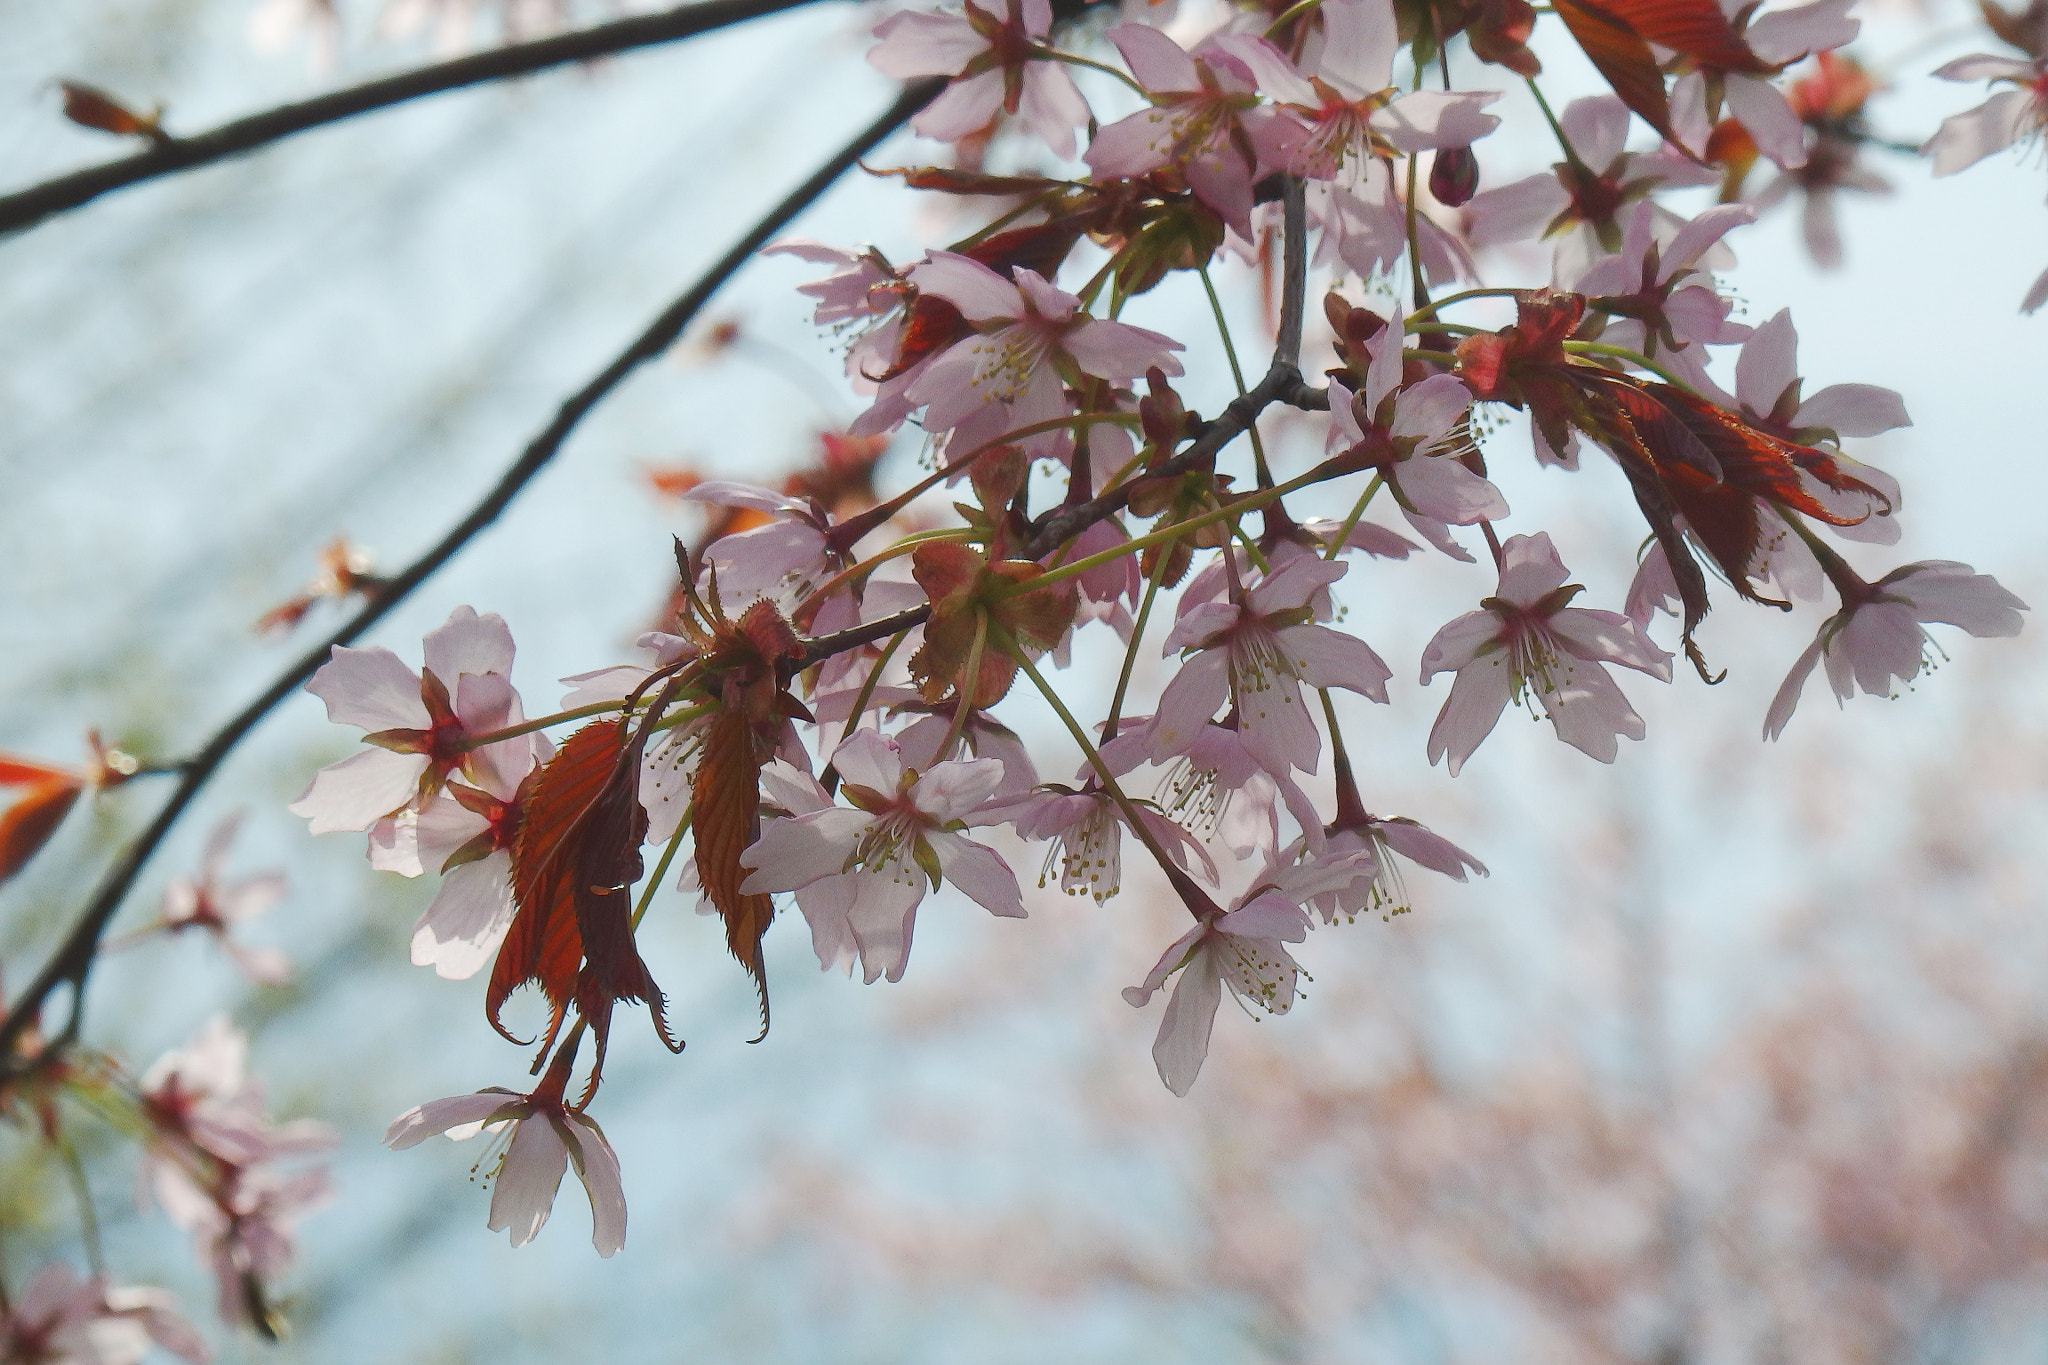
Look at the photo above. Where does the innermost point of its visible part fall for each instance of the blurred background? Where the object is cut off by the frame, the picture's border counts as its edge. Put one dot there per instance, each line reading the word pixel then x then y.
pixel 1739 1055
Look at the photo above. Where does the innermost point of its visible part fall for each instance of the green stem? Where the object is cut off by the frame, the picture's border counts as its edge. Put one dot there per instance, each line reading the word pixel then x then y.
pixel 1632 357
pixel 1570 155
pixel 1095 761
pixel 1123 677
pixel 1416 282
pixel 596 708
pixel 830 779
pixel 1336 547
pixel 1461 297
pixel 668 854
pixel 1071 60
pixel 1251 503
pixel 1289 15
pixel 1265 475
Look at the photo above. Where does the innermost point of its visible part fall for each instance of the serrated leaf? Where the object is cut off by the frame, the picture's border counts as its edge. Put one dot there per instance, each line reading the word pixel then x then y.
pixel 1623 59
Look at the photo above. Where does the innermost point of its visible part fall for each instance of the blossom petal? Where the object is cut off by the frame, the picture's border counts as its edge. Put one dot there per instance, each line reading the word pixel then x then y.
pixel 371 688
pixel 531 1173
pixel 469 643
pixel 597 1165
pixel 468 919
pixel 360 790
pixel 1183 1042
pixel 978 871
pixel 423 1121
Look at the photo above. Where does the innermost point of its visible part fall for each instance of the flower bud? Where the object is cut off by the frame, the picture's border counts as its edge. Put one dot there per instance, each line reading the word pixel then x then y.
pixel 1454 176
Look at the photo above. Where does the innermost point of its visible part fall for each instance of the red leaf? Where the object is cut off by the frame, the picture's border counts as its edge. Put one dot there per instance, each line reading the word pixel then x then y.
pixel 15 772
pixel 544 944
pixel 90 108
pixel 28 824
pixel 1623 59
pixel 1695 27
pixel 726 804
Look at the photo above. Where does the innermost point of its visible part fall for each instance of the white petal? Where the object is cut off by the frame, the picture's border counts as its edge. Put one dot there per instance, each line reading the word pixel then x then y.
pixel 532 1172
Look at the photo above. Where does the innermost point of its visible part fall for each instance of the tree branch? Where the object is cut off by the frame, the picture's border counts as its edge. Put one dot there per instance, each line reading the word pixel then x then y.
pixel 27 207
pixel 73 961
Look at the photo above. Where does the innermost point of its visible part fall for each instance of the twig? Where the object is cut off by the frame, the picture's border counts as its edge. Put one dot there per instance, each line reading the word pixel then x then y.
pixel 25 208
pixel 73 961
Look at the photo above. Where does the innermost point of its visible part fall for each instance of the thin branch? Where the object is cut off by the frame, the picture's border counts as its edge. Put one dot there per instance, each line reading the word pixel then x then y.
pixel 73 961
pixel 25 208
pixel 1294 270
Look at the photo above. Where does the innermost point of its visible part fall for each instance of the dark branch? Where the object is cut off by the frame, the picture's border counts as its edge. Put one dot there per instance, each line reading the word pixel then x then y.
pixel 73 961
pixel 25 208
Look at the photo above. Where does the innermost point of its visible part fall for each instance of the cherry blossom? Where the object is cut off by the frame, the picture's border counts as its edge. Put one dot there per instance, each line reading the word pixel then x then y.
pixel 202 902
pixel 1778 39
pixel 998 66
pixel 419 724
pixel 1965 139
pixel 1245 948
pixel 1877 641
pixel 1340 111
pixel 1662 304
pixel 1008 375
pixel 62 1320
pixel 1203 119
pixel 1580 201
pixel 1393 429
pixel 1083 831
pixel 539 1139
pixel 1257 654
pixel 878 857
pixel 1526 645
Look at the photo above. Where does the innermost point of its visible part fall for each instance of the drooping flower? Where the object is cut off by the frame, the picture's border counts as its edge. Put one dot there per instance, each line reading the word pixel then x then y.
pixel 1083 831
pixel 419 724
pixel 1877 641
pixel 539 1138
pixel 878 857
pixel 1257 654
pixel 1525 644
pixel 998 65
pixel 1245 948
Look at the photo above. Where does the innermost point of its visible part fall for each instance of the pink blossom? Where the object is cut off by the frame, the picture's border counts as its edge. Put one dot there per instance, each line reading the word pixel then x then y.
pixel 1204 110
pixel 784 560
pixel 202 902
pixel 879 856
pixel 1878 642
pixel 1392 428
pixel 1083 831
pixel 1215 786
pixel 1339 112
pixel 1965 139
pixel 466 834
pixel 1582 211
pixel 997 65
pixel 62 1320
pixel 1778 38
pixel 1370 880
pixel 419 724
pixel 1245 948
pixel 1526 645
pixel 1257 654
pixel 211 1159
pixel 1030 338
pixel 1667 303
pixel 539 1138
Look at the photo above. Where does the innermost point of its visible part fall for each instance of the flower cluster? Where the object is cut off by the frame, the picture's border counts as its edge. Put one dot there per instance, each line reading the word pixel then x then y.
pixel 823 720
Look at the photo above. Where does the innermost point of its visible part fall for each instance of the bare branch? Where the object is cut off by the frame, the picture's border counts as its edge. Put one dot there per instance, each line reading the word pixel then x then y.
pixel 25 208
pixel 74 960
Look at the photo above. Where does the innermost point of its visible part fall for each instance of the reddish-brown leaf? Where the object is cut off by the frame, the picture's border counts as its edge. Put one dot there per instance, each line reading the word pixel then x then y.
pixel 16 772
pixel 90 108
pixel 1623 59
pixel 28 824
pixel 725 800
pixel 1695 27
pixel 544 945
